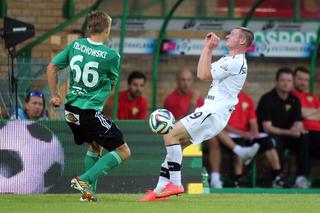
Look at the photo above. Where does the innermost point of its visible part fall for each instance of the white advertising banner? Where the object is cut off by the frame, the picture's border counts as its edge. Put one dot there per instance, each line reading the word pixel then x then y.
pixel 189 47
pixel 266 44
pixel 133 45
pixel 182 24
pixel 283 49
pixel 282 44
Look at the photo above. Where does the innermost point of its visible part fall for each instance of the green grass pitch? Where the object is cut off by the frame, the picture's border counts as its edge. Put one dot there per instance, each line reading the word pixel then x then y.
pixel 112 203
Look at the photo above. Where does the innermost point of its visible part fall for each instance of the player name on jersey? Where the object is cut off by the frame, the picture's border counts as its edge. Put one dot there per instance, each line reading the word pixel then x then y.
pixel 89 51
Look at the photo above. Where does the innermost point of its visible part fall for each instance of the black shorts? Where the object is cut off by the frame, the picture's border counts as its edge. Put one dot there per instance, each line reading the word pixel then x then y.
pixel 90 125
pixel 266 143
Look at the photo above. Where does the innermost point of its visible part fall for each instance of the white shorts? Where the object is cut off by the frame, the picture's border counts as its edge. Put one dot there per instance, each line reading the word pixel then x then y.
pixel 203 124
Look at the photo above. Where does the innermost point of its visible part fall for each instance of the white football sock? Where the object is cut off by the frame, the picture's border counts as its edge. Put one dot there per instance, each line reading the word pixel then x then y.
pixel 164 177
pixel 215 176
pixel 174 158
pixel 238 150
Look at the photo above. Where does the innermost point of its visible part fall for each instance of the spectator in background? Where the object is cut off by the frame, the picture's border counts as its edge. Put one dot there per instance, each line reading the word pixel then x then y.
pixel 182 101
pixel 3 112
pixel 242 130
pixel 77 32
pixel 33 107
pixel 310 110
pixel 74 34
pixel 279 115
pixel 132 105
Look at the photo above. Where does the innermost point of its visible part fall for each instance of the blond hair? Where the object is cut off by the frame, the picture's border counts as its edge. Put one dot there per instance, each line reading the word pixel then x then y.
pixel 248 34
pixel 98 21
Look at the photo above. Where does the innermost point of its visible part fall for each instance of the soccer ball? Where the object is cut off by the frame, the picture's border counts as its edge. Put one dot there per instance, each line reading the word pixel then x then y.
pixel 31 158
pixel 161 121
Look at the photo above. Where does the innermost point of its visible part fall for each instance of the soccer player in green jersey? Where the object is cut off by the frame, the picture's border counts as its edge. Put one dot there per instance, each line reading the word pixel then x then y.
pixel 94 71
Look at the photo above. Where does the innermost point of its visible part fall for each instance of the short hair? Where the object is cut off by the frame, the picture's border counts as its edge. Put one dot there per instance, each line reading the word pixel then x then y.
pixel 33 93
pixel 248 34
pixel 182 70
pixel 38 94
pixel 283 70
pixel 134 75
pixel 300 69
pixel 98 21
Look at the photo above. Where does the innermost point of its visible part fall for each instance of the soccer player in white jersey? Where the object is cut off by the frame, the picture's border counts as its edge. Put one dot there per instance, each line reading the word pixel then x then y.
pixel 228 76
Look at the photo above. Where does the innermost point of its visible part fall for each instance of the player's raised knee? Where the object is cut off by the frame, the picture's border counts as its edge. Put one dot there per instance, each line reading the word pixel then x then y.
pixel 124 151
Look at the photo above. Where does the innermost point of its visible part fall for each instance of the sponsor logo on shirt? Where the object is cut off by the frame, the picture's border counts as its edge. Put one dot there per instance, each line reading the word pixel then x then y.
pixel 134 111
pixel 71 117
pixel 310 99
pixel 287 107
pixel 78 90
pixel 224 67
pixel 210 97
pixel 244 105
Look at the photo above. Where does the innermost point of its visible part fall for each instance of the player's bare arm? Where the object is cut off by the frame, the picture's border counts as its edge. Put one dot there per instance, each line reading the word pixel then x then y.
pixel 211 41
pixel 254 129
pixel 52 81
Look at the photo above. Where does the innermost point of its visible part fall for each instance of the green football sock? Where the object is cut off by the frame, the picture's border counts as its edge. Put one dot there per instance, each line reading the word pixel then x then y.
pixel 89 160
pixel 102 166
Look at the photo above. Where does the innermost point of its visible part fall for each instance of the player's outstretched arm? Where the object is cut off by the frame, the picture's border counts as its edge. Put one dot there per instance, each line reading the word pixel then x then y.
pixel 204 65
pixel 52 81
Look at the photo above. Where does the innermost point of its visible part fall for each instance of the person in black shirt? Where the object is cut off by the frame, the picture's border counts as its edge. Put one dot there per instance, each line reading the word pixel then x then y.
pixel 279 116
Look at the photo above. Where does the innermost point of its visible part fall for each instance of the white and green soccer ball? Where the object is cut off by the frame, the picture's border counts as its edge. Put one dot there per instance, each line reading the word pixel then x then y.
pixel 161 121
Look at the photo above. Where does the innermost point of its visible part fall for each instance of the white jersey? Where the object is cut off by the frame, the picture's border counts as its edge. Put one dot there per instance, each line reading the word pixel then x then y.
pixel 229 74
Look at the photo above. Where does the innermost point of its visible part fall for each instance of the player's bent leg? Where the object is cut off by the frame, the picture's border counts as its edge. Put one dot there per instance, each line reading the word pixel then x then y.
pixel 92 156
pixel 96 148
pixel 102 167
pixel 84 187
pixel 178 135
pixel 124 151
pixel 174 141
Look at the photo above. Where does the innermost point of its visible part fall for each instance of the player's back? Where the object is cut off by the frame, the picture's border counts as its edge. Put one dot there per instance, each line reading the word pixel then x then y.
pixel 94 69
